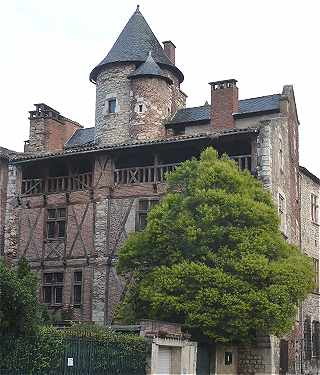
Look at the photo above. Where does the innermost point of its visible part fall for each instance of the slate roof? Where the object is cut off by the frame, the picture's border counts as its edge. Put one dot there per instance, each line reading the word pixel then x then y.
pixel 313 177
pixel 81 137
pixel 134 44
pixel 6 153
pixel 269 103
pixel 149 69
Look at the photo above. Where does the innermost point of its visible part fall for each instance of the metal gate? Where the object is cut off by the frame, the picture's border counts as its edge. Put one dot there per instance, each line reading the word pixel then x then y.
pixel 88 357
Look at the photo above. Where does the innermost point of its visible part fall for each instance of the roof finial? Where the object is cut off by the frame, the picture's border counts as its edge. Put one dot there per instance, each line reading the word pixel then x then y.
pixel 138 8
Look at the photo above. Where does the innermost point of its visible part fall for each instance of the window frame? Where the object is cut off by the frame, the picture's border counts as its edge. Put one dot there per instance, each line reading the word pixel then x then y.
pixel 110 103
pixel 54 285
pixel 56 220
pixel 316 275
pixel 77 283
pixel 314 208
pixel 282 211
pixel 281 159
pixel 144 212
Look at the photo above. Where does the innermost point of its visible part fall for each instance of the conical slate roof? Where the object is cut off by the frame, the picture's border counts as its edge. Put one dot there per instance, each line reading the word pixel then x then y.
pixel 134 44
pixel 149 69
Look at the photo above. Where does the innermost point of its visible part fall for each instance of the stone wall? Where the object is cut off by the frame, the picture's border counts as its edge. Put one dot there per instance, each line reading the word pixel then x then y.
pixel 111 83
pixel 153 97
pixel 3 198
pixel 310 244
pixel 158 99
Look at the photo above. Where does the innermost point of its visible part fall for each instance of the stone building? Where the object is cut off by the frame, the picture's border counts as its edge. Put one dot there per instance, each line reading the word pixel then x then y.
pixel 70 200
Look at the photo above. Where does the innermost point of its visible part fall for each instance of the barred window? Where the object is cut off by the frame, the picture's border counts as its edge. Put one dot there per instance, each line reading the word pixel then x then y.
pixel 314 208
pixel 77 287
pixel 56 223
pixel 144 207
pixel 52 288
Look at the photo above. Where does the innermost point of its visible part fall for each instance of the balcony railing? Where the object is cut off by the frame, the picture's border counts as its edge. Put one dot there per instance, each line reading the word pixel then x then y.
pixel 122 176
pixel 150 174
pixel 56 184
pixel 243 161
pixel 141 175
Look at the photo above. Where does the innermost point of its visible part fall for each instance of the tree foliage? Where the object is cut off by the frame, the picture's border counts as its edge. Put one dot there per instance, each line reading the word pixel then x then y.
pixel 20 312
pixel 212 256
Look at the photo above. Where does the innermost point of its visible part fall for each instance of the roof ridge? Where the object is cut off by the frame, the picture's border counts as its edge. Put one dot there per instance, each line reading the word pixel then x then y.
pixel 258 97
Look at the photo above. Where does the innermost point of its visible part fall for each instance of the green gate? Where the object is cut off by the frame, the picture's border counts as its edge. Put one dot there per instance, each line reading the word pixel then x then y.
pixel 84 356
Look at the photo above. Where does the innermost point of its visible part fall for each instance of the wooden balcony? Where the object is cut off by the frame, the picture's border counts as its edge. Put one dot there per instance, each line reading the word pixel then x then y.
pixel 243 161
pixel 62 184
pixel 152 174
pixel 142 175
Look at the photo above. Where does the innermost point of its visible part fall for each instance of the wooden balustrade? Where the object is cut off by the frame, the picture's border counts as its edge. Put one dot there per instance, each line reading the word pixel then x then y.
pixel 56 184
pixel 243 161
pixel 122 176
pixel 141 175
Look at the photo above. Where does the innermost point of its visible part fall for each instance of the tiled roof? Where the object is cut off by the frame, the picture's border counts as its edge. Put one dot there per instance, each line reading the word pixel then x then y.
pixel 81 137
pixel 6 153
pixel 246 106
pixel 131 144
pixel 149 68
pixel 134 44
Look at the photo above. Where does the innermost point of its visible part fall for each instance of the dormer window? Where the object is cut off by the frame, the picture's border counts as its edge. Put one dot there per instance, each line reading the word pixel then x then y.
pixel 112 105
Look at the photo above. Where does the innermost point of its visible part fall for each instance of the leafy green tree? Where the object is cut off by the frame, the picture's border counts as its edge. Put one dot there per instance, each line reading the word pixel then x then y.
pixel 20 312
pixel 212 257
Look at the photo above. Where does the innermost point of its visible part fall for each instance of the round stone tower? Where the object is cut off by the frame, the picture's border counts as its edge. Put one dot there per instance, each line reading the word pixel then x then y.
pixel 150 101
pixel 137 86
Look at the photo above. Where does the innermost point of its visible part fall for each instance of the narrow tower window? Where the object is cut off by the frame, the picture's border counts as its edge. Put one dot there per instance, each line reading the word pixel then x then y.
pixel 112 105
pixel 140 108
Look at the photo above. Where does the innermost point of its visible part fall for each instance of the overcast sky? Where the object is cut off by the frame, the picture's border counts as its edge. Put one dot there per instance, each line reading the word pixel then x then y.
pixel 48 49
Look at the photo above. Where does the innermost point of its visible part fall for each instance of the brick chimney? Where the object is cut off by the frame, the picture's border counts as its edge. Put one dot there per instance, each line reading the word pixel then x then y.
pixel 224 102
pixel 49 130
pixel 170 50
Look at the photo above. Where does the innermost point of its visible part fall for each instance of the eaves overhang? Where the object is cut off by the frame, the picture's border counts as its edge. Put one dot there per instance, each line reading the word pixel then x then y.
pixel 132 145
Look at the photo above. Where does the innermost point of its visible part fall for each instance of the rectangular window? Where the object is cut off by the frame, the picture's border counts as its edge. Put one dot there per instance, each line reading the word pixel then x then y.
pixel 77 288
pixel 52 288
pixel 316 339
pixel 314 208
pixel 316 274
pixel 56 223
pixel 280 155
pixel 143 208
pixel 282 214
pixel 112 103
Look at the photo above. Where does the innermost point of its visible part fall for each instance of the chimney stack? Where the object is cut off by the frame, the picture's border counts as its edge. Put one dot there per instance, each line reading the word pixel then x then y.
pixel 224 102
pixel 170 50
